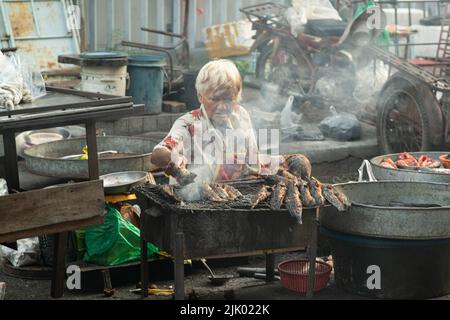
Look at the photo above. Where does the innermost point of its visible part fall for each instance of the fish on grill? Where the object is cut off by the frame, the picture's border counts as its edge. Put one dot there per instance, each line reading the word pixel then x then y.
pixel 300 166
pixel 286 174
pixel 331 197
pixel 293 202
pixel 169 192
pixel 264 193
pixel 218 189
pixel 278 197
pixel 209 194
pixel 233 193
pixel 343 198
pixel 316 189
pixel 305 195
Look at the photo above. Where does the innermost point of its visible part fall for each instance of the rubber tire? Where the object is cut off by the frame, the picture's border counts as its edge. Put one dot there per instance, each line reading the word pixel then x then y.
pixel 392 87
pixel 266 51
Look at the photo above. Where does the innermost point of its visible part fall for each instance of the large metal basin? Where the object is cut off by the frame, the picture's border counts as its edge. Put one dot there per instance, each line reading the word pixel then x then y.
pixel 373 216
pixel 386 174
pixel 46 159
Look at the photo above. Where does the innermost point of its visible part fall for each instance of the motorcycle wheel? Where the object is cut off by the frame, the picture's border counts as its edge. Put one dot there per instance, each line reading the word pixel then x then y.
pixel 290 69
pixel 404 123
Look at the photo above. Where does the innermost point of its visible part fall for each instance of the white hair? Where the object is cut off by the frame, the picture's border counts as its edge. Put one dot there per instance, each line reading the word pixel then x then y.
pixel 220 79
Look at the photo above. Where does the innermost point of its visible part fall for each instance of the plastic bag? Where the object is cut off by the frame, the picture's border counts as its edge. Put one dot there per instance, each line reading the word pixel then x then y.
pixel 316 9
pixel 3 188
pixel 28 253
pixel 19 82
pixel 115 242
pixel 342 127
pixel 371 80
pixel 289 118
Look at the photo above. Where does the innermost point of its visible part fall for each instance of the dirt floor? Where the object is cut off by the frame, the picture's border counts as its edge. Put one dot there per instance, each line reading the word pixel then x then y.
pixel 198 287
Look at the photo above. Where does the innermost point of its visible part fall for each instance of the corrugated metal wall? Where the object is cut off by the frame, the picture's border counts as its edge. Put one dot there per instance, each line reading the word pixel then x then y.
pixel 108 22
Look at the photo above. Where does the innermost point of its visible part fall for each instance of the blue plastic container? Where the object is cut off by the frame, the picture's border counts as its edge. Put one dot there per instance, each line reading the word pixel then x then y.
pixel 147 81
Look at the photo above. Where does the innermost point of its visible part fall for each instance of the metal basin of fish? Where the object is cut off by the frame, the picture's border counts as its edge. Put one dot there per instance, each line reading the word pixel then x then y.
pixel 130 154
pixel 393 210
pixel 414 175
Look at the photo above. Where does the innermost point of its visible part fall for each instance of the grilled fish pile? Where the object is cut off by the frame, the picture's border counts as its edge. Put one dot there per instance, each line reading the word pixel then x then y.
pixel 294 188
pixel 297 189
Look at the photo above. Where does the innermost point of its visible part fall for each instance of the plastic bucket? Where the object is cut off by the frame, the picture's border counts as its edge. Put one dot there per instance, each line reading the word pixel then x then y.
pixel 147 81
pixel 105 80
pixel 404 269
pixel 190 95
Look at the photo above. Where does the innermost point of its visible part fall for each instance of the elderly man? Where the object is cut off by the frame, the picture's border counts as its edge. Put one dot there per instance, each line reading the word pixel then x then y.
pixel 217 141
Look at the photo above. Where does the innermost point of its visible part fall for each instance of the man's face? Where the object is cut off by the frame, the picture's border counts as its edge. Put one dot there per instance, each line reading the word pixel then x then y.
pixel 219 110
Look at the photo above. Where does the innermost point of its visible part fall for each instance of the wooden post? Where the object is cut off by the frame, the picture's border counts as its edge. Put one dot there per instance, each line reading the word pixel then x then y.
pixel 312 257
pixel 144 267
pixel 91 141
pixel 270 267
pixel 59 265
pixel 11 167
pixel 179 267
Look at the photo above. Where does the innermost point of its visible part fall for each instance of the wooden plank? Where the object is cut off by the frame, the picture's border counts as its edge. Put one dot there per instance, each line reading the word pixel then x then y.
pixel 34 210
pixel 66 226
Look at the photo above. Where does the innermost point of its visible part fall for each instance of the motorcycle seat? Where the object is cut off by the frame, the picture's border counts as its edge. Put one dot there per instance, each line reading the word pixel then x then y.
pixel 326 28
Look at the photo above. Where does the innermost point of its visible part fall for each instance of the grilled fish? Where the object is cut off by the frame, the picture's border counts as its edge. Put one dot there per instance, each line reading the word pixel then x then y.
pixel 210 194
pixel 278 197
pixel 233 193
pixel 218 189
pixel 328 192
pixel 261 196
pixel 300 166
pixel 343 198
pixel 305 195
pixel 316 189
pixel 169 192
pixel 288 175
pixel 293 202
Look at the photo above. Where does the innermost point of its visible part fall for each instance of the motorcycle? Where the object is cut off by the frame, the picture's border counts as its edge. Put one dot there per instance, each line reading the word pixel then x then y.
pixel 321 60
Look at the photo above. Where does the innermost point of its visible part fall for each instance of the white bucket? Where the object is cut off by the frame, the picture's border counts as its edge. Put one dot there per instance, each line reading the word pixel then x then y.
pixel 105 80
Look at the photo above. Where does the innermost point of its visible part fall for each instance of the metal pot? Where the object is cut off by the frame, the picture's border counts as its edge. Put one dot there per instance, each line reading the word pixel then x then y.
pixel 122 182
pixel 393 210
pixel 386 174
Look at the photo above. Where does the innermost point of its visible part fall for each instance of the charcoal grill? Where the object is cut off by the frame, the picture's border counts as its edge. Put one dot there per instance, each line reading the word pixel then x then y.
pixel 209 230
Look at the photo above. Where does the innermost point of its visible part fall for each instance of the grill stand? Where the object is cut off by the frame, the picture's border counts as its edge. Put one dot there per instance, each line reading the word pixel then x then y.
pixel 179 258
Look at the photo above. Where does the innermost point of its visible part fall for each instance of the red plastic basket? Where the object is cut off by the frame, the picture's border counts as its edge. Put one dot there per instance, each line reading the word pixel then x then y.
pixel 294 275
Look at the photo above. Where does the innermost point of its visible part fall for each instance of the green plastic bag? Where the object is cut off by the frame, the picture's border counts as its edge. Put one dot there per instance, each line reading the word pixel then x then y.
pixel 115 242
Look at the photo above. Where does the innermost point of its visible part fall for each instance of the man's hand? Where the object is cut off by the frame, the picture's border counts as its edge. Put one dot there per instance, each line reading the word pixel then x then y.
pixel 181 174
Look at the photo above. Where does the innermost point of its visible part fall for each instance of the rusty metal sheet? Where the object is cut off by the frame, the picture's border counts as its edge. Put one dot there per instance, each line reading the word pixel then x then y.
pixel 38 29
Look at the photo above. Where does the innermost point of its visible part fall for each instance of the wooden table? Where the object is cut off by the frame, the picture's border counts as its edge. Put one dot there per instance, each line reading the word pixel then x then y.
pixel 61 107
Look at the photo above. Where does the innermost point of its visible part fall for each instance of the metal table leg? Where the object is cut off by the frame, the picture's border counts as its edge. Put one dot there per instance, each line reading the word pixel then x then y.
pixel 179 267
pixel 59 265
pixel 11 166
pixel 144 268
pixel 270 267
pixel 312 258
